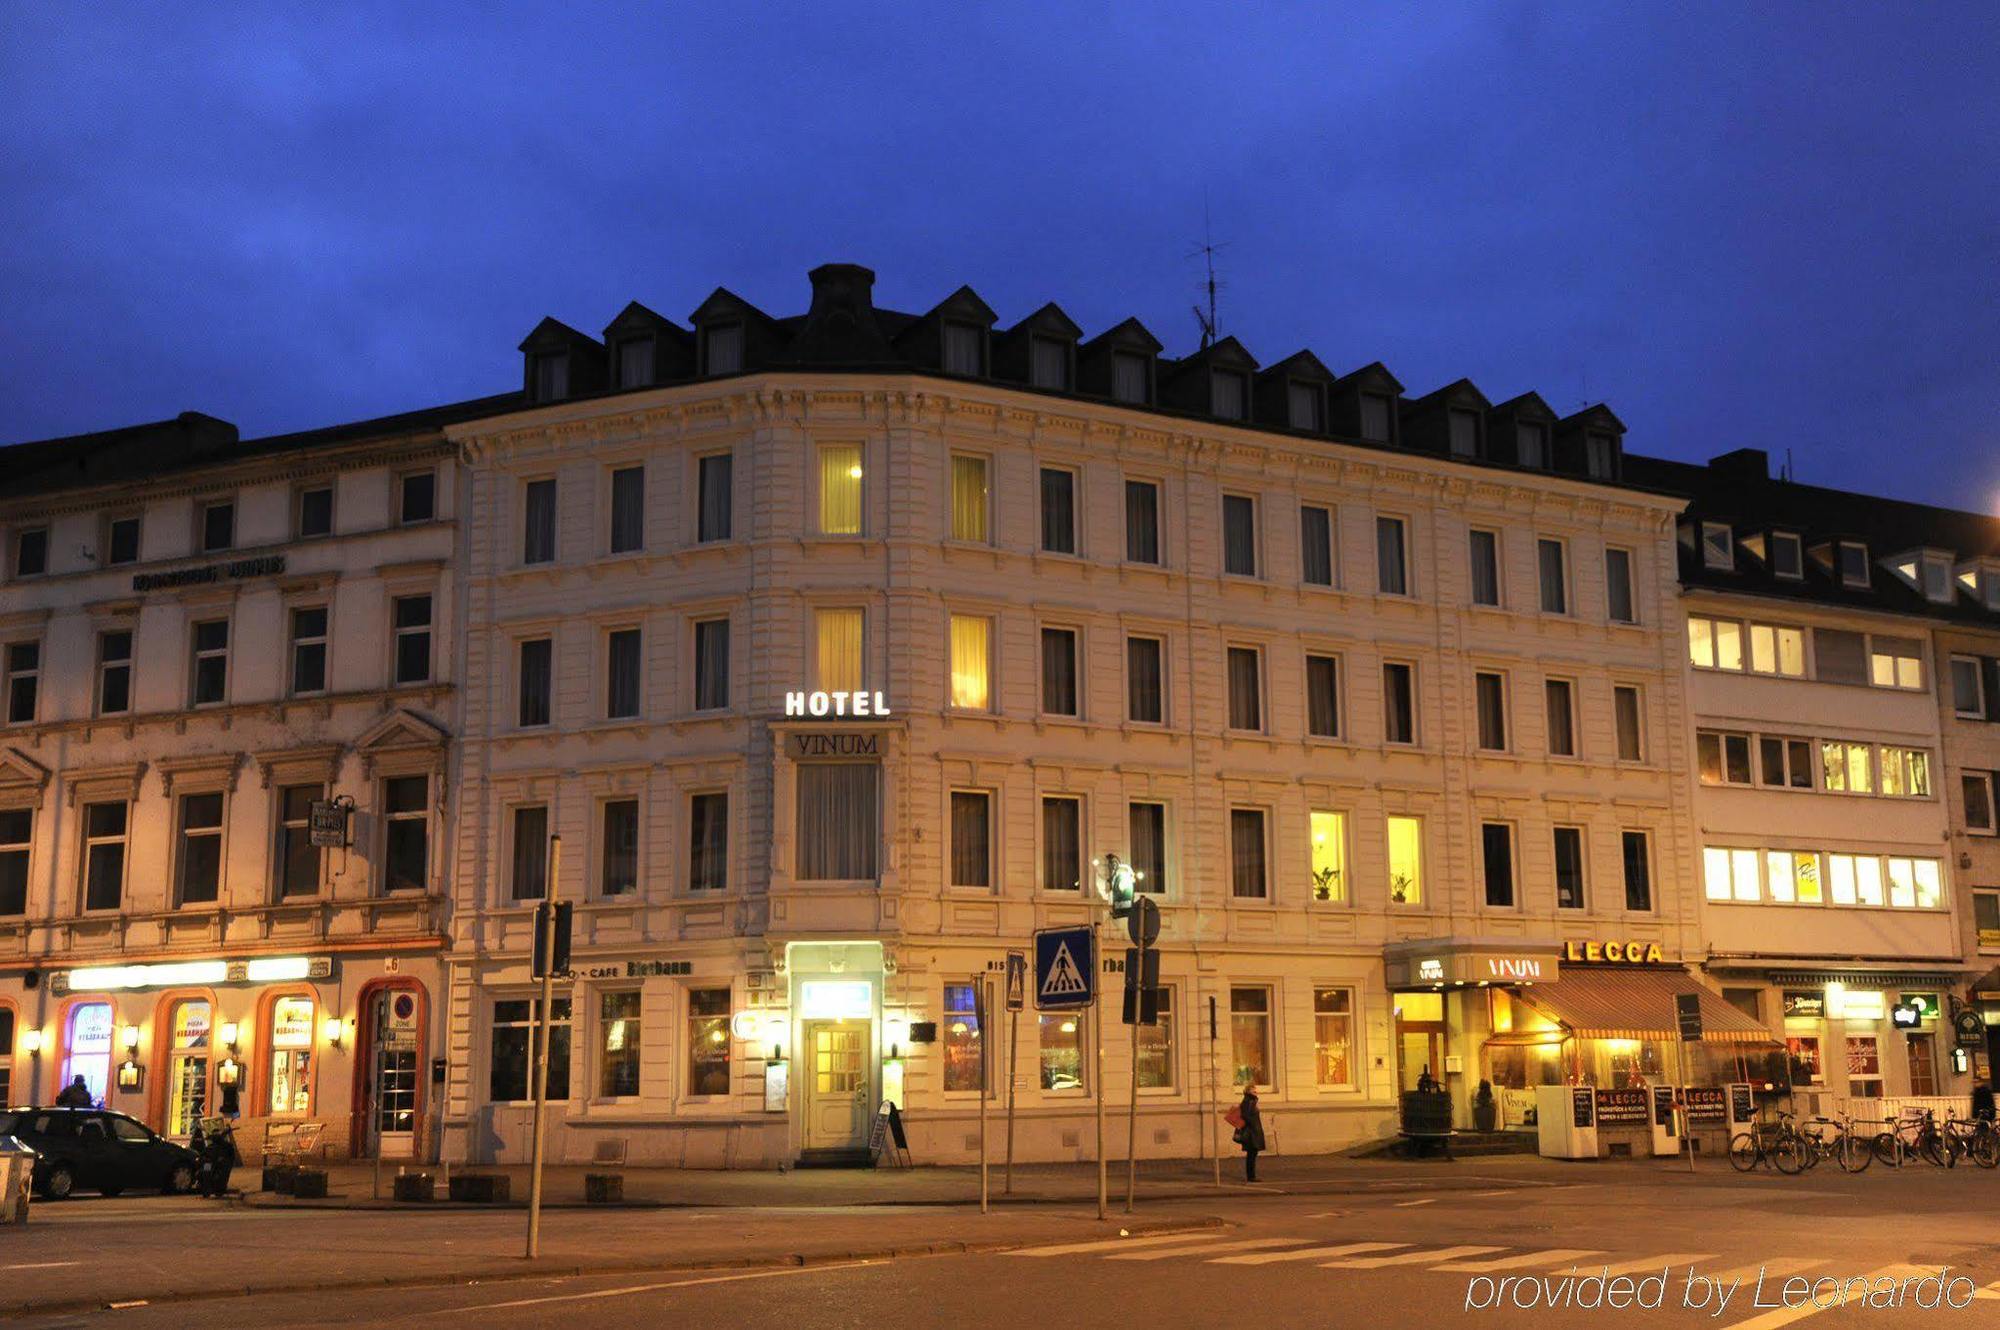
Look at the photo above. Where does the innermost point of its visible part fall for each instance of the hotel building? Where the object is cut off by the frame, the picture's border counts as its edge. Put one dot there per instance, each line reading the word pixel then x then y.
pixel 1382 697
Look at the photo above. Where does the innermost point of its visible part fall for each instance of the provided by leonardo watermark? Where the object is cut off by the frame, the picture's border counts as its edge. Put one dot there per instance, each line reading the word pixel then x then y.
pixel 1582 1290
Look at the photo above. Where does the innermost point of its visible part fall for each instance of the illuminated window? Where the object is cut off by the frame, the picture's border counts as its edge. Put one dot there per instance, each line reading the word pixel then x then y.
pixel 1722 759
pixel 969 498
pixel 962 1039
pixel 618 1025
pixel 1406 860
pixel 1776 650
pixel 971 662
pixel 1626 715
pixel 291 1045
pixel 1156 1046
pixel 840 489
pixel 1250 1036
pixel 1333 1037
pixel 1847 767
pixel 187 1067
pixel 88 1049
pixel 1794 877
pixel 1864 1067
pixel 1896 662
pixel 837 637
pixel 1060 1036
pixel 1906 771
pixel 708 1041
pixel 1329 856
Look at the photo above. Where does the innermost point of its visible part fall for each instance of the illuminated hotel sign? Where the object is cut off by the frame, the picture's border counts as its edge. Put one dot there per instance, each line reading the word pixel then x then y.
pixel 177 974
pixel 1472 966
pixel 836 704
pixel 1614 953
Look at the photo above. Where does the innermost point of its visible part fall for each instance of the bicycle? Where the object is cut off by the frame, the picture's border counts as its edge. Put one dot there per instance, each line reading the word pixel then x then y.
pixel 1976 1138
pixel 1835 1139
pixel 1776 1143
pixel 1913 1134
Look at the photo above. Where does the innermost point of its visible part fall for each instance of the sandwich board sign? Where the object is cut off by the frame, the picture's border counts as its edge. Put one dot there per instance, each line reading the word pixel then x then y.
pixel 1065 968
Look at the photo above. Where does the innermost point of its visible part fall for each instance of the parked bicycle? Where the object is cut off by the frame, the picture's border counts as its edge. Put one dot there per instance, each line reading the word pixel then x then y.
pixel 1975 1138
pixel 1835 1138
pixel 1778 1144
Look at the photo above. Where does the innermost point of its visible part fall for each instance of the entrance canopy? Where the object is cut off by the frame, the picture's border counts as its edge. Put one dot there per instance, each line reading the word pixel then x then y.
pixel 1639 1004
pixel 1454 962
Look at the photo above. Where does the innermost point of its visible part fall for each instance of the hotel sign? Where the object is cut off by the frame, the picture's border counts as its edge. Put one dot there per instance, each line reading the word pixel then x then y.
pixel 269 565
pixel 836 704
pixel 1613 952
pixel 1473 967
pixel 836 744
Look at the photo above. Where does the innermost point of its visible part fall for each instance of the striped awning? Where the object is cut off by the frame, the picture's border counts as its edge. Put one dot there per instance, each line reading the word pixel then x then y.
pixel 1638 1004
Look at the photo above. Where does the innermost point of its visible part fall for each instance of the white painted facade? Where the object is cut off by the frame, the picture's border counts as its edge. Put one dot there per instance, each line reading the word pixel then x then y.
pixel 774 950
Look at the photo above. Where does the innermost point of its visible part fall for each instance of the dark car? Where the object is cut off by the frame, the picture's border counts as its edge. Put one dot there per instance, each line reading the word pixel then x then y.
pixel 90 1149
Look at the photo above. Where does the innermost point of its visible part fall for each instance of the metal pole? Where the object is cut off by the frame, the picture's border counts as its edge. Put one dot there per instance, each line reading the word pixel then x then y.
pixel 1214 1096
pixel 1013 1083
pixel 373 1125
pixel 979 996
pixel 1132 1114
pixel 1687 1126
pixel 542 1047
pixel 1097 1083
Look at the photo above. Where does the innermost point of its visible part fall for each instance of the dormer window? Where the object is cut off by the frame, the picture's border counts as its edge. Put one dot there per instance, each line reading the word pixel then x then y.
pixel 1853 564
pixel 1937 579
pixel 962 349
pixel 1531 446
pixel 1464 433
pixel 1991 595
pixel 1375 418
pixel 551 377
pixel 1048 363
pixel 722 349
pixel 1600 457
pixel 1787 556
pixel 1718 548
pixel 1302 405
pixel 1128 377
pixel 635 362
pixel 1225 394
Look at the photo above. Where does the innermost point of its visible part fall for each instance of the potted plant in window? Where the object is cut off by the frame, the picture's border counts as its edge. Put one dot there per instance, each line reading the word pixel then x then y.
pixel 1401 888
pixel 1485 1110
pixel 1326 883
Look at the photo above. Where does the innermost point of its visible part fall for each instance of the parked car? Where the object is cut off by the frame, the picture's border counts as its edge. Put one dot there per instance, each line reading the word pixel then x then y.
pixel 92 1149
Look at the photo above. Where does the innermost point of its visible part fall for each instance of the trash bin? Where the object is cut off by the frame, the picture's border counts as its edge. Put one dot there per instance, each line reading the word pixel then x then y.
pixel 17 1175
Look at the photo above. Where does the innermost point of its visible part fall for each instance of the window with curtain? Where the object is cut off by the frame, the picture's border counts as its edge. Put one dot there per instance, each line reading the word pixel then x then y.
pixel 1377 424
pixel 1062 843
pixel 1250 1035
pixel 1485 547
pixel 1144 680
pixel 711 664
pixel 1059 671
pixel 840 489
pixel 969 498
pixel 1399 706
pixel 839 825
pixel 620 848
pixel 971 662
pixel 635 362
pixel 534 681
pixel 1316 546
pixel 1247 879
pixel 538 521
pixel 708 841
pixel 1058 510
pixel 1239 535
pixel 1333 1037
pixel 1391 566
pixel 1569 868
pixel 1246 705
pixel 1406 861
pixel 1464 433
pixel 1529 448
pixel 1323 697
pixel 1618 586
pixel 1555 585
pixel 1148 853
pixel 964 346
pixel 1302 405
pixel 531 852
pixel 1625 713
pixel 715 478
pixel 622 672
pixel 1638 859
pixel 1490 694
pixel 1129 379
pixel 1225 394
pixel 837 639
pixel 628 509
pixel 1142 521
pixel 1562 717
pixel 1048 363
pixel 722 348
pixel 971 838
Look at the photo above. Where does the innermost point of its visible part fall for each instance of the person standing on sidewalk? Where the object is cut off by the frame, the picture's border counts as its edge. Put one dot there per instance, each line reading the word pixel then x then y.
pixel 1250 1135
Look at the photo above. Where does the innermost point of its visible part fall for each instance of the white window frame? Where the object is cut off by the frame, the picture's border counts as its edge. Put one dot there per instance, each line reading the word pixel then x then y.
pixel 1978 711
pixel 1719 554
pixel 1796 543
pixel 1989 781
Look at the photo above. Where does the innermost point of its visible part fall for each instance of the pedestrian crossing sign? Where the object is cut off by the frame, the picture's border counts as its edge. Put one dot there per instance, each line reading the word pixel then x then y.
pixel 1065 968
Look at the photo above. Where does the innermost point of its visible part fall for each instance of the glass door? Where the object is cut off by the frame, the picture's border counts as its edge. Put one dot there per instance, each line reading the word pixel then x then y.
pixel 187 1069
pixel 393 1073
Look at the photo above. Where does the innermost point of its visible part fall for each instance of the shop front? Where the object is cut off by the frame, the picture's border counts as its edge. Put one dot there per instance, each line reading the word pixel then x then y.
pixel 1450 999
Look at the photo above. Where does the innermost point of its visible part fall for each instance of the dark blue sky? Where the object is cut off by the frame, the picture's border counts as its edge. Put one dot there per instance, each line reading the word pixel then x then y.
pixel 1779 230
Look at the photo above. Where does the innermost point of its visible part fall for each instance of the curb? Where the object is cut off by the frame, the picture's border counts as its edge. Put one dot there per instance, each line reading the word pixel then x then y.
pixel 578 1270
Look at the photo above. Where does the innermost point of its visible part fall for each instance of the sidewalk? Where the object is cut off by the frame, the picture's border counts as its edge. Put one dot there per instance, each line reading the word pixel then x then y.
pixel 350 1186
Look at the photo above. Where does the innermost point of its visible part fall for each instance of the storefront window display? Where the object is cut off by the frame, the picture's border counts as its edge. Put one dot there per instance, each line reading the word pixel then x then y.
pixel 1156 1047
pixel 708 1041
pixel 1061 1036
pixel 1864 1066
pixel 961 1038
pixel 1250 1035
pixel 89 1054
pixel 187 1068
pixel 291 1046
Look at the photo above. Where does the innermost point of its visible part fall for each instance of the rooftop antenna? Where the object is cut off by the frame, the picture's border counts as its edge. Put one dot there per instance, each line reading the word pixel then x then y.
pixel 1207 250
pixel 1786 474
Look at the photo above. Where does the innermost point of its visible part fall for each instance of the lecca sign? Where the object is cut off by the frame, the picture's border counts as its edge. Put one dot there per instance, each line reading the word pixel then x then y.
pixel 836 704
pixel 1614 953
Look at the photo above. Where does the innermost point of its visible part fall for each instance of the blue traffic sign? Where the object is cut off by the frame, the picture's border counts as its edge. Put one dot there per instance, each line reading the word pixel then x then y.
pixel 1065 968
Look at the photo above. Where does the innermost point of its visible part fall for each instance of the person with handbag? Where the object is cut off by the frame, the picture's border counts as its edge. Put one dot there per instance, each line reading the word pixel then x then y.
pixel 1249 1125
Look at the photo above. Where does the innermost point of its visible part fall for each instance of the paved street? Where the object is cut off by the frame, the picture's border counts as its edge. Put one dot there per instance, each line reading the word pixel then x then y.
pixel 1404 1256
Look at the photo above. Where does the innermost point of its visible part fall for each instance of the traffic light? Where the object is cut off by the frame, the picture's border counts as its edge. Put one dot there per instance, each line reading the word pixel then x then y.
pixel 541 965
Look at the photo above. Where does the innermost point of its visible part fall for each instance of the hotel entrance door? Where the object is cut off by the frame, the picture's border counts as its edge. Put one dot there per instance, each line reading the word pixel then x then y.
pixel 1420 1038
pixel 837 1085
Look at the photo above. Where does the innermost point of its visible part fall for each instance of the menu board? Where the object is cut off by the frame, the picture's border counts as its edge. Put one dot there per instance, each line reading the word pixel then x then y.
pixel 1742 1108
pixel 1583 1106
pixel 1705 1103
pixel 1663 1107
pixel 1621 1108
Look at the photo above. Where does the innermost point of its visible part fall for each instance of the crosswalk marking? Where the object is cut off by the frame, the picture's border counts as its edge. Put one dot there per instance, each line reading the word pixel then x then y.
pixel 1667 1262
pixel 1990 1291
pixel 1109 1244
pixel 1517 1261
pixel 1310 1253
pixel 1168 1253
pixel 1428 1200
pixel 1779 1265
pixel 1410 1258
